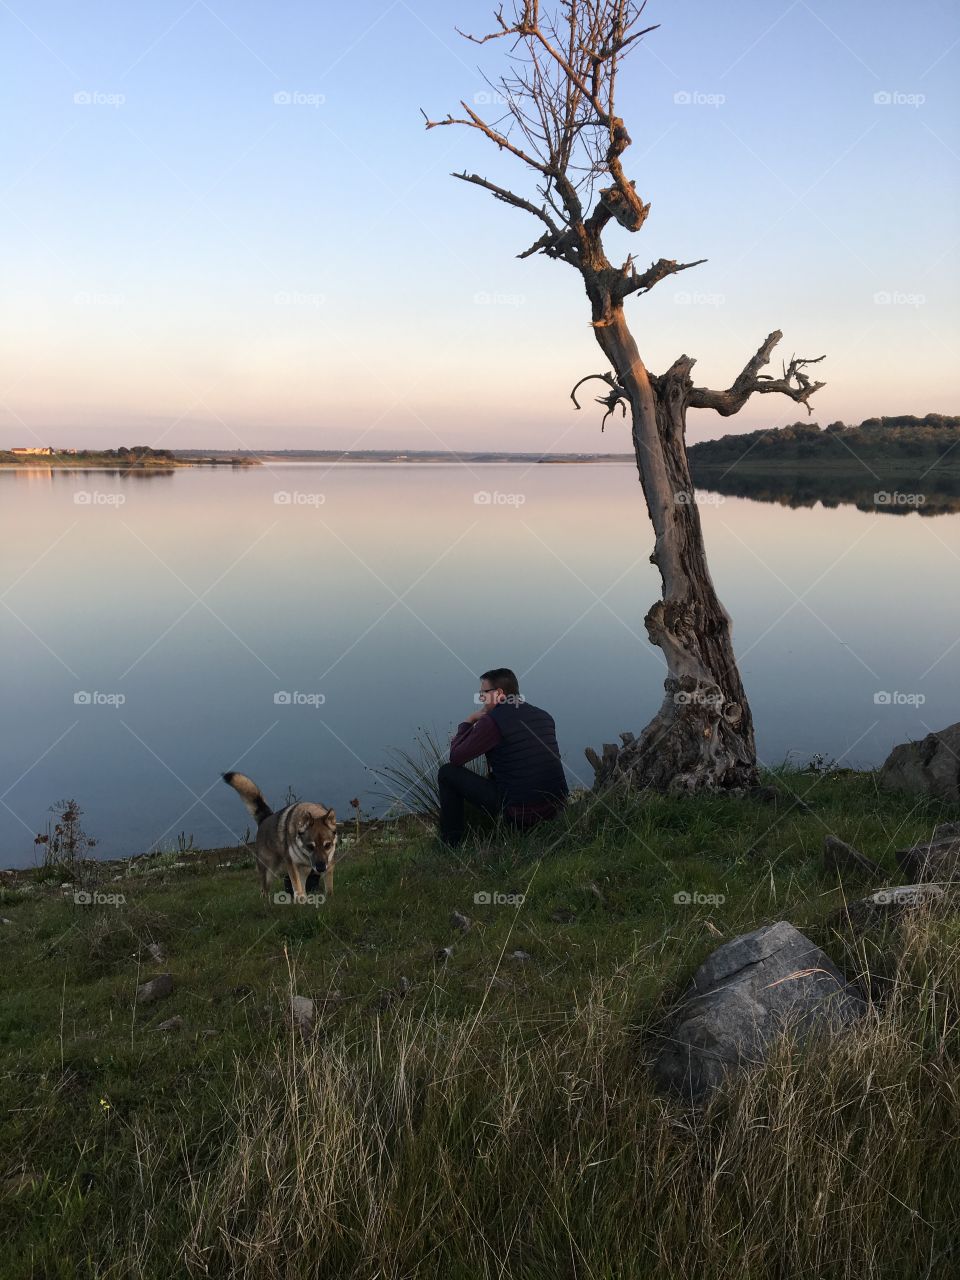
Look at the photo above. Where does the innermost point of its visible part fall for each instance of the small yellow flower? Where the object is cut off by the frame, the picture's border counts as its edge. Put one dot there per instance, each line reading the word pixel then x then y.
pixel 105 1104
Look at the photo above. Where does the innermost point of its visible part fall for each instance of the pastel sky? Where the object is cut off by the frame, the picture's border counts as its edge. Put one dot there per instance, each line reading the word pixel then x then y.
pixel 224 224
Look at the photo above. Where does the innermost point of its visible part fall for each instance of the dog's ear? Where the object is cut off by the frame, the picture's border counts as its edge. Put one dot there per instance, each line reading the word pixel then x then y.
pixel 332 816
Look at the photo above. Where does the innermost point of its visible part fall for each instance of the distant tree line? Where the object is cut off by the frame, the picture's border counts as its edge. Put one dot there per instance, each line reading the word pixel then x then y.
pixel 890 437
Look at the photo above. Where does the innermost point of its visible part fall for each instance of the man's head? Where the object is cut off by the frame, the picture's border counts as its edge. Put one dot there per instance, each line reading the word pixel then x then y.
pixel 497 686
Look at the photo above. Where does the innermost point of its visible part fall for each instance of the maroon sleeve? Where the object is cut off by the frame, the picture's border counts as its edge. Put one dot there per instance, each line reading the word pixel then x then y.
pixel 472 740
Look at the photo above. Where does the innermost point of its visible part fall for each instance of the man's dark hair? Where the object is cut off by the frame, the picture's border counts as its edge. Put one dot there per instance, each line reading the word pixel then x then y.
pixel 502 678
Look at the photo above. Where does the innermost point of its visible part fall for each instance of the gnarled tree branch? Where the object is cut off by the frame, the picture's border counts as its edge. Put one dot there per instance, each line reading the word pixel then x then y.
pixel 794 382
pixel 616 396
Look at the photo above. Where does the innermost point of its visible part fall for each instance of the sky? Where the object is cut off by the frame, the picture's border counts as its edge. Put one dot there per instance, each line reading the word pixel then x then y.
pixel 224 224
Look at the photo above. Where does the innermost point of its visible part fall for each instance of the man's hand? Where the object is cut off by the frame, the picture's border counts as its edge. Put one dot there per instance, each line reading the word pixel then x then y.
pixel 476 715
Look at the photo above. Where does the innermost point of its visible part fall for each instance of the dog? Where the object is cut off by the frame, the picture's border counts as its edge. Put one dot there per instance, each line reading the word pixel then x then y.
pixel 299 838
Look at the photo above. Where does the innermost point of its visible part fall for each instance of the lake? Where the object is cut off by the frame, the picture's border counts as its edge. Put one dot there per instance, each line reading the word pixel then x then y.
pixel 296 621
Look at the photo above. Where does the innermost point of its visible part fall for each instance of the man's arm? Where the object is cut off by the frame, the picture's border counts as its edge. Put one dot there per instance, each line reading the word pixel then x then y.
pixel 472 740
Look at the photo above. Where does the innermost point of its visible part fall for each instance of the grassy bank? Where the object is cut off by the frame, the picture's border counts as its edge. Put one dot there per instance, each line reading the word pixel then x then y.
pixel 487 1111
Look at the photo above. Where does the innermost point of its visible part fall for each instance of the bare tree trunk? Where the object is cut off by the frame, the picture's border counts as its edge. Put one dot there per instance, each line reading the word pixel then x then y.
pixel 702 735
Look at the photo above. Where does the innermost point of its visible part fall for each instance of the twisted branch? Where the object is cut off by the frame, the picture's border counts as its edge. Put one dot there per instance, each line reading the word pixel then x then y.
pixel 750 380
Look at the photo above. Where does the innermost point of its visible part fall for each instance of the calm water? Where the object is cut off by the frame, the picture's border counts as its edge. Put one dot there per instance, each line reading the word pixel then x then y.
pixel 299 639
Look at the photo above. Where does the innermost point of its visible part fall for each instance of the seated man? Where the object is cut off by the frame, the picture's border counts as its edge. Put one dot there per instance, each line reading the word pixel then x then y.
pixel 525 781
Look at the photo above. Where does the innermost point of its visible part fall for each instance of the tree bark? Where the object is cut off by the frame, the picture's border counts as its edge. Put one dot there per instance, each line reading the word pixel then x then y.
pixel 702 736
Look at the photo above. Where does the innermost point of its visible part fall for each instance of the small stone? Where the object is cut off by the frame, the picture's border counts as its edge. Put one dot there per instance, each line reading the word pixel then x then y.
pixel 443 954
pixel 156 989
pixel 207 1032
pixel 460 921
pixel 302 1014
pixel 154 951
pixel 172 1024
pixel 4 920
pixel 838 856
pixel 521 957
pixel 562 915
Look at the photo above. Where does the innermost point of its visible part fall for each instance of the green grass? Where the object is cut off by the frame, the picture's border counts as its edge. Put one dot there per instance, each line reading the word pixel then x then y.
pixel 480 1115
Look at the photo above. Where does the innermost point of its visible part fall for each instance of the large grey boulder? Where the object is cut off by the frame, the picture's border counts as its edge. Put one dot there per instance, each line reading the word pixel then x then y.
pixel 742 997
pixel 928 767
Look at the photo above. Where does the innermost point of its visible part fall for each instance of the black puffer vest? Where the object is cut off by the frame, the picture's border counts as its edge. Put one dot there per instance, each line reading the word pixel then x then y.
pixel 526 764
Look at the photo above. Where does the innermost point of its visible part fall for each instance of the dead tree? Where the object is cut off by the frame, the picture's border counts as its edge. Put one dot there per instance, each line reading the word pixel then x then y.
pixel 558 118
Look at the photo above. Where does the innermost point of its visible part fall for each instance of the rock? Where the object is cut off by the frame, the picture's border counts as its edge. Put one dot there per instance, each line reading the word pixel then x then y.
pixel 156 989
pixel 4 920
pixel 302 1015
pixel 838 856
pixel 938 860
pixel 888 904
pixel 390 997
pixel 521 957
pixel 460 921
pixel 929 767
pixel 443 954
pixel 947 831
pixel 742 997
pixel 171 1024
pixel 562 915
pixel 154 951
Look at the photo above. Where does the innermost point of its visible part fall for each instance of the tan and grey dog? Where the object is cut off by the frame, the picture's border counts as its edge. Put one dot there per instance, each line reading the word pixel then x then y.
pixel 296 840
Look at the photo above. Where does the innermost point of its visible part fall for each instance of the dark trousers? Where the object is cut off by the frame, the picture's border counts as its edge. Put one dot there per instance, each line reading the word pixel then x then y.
pixel 458 784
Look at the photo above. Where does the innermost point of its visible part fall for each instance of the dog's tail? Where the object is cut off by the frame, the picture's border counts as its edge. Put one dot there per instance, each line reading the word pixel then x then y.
pixel 250 794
